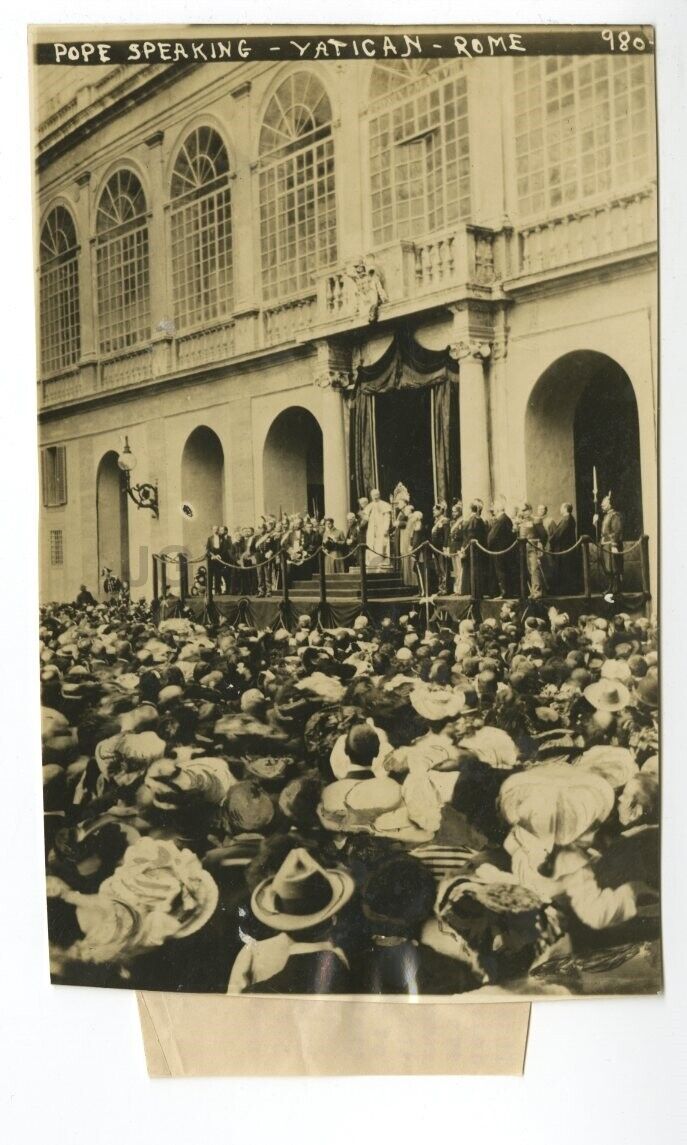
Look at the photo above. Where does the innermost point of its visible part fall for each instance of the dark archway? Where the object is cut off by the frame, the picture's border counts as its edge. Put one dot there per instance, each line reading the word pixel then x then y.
pixel 581 415
pixel 202 487
pixel 293 475
pixel 112 516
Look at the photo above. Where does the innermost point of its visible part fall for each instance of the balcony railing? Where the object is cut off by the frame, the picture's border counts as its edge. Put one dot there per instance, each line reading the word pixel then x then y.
pixel 408 271
pixel 202 347
pixel 125 369
pixel 589 232
pixel 62 387
pixel 283 320
pixel 465 261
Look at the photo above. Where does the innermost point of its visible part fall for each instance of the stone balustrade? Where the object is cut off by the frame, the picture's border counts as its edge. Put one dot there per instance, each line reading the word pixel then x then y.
pixel 282 321
pixel 126 369
pixel 589 232
pixel 466 260
pixel 201 347
pixel 62 387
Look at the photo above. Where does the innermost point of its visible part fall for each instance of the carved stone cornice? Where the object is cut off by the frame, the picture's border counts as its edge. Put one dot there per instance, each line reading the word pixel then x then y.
pixel 333 369
pixel 470 348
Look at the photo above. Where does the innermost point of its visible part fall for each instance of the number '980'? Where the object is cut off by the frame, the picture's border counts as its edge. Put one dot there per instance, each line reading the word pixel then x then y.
pixel 623 41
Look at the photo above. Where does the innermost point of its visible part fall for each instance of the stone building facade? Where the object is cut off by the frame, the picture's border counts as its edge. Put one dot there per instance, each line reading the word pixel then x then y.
pixel 220 249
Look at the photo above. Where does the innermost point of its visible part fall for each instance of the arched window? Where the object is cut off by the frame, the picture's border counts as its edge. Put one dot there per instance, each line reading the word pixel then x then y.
pixel 419 147
pixel 59 293
pixel 122 261
pixel 297 196
pixel 583 127
pixel 202 280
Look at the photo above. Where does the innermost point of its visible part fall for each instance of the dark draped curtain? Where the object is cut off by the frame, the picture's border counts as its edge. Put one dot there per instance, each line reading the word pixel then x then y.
pixel 363 448
pixel 446 447
pixel 406 365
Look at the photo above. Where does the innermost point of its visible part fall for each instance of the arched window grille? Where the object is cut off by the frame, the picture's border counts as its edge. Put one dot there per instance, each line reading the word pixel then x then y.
pixel 419 148
pixel 297 192
pixel 122 264
pixel 201 234
pixel 59 293
pixel 583 127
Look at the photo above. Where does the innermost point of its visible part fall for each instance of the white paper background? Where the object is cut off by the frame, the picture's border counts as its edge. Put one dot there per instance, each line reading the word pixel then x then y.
pixel 72 1065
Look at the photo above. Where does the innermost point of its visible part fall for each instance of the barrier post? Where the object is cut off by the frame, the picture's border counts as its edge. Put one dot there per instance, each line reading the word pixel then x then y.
pixel 363 575
pixel 586 570
pixel 473 573
pixel 156 585
pixel 208 580
pixel 323 577
pixel 163 577
pixel 646 576
pixel 284 576
pixel 522 568
pixel 183 577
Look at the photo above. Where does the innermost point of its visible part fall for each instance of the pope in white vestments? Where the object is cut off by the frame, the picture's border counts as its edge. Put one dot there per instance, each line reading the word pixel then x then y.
pixel 378 515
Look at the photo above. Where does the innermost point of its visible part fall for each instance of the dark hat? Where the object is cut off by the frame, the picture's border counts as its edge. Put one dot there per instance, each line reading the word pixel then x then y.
pixel 399 894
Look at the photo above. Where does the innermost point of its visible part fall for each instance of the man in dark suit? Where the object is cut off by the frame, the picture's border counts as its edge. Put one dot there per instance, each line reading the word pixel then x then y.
pixel 213 547
pixel 501 536
pixel 439 552
pixel 612 529
pixel 564 569
pixel 475 530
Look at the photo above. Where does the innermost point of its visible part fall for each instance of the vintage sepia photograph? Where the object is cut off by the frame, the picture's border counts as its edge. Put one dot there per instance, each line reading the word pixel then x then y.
pixel 347 400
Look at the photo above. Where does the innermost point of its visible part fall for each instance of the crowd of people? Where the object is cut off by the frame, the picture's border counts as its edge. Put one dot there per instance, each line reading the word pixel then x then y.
pixel 384 808
pixel 463 551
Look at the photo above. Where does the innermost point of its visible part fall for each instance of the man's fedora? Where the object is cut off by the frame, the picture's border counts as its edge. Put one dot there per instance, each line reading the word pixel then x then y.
pixel 302 894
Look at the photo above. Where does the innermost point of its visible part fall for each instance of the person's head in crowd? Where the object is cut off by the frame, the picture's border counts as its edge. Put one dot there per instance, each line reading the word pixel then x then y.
pixel 566 509
pixel 363 502
pixel 607 502
pixel 374 495
pixel 476 507
pixel 457 510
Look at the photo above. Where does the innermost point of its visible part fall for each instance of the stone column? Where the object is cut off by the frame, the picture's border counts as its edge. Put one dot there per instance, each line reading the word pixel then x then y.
pixel 332 377
pixel 85 226
pixel 161 316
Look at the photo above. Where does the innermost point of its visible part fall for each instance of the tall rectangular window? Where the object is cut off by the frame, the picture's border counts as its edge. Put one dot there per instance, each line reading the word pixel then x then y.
pixel 201 234
pixel 60 320
pixel 298 219
pixel 54 475
pixel 419 158
pixel 583 127
pixel 122 264
pixel 56 547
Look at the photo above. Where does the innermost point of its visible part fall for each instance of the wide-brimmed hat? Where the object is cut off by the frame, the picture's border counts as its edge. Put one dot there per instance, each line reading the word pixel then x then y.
pixel 607 695
pixel 302 894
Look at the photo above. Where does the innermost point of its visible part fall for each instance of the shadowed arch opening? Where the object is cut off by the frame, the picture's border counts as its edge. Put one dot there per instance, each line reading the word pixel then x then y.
pixel 582 414
pixel 112 516
pixel 292 464
pixel 202 487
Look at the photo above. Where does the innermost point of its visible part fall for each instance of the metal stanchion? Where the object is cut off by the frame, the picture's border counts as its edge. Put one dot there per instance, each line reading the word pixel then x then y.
pixel 323 577
pixel 163 577
pixel 156 585
pixel 363 575
pixel 284 577
pixel 208 581
pixel 183 577
pixel 646 575
pixel 474 588
pixel 586 570
pixel 522 568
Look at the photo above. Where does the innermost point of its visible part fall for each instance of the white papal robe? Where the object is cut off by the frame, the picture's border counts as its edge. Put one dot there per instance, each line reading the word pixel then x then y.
pixel 378 515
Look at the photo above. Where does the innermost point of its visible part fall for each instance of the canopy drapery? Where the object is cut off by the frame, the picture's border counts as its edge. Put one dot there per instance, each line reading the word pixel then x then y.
pixel 406 365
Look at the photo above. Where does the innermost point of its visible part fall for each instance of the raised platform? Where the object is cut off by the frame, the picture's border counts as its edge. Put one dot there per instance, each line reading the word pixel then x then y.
pixel 341 611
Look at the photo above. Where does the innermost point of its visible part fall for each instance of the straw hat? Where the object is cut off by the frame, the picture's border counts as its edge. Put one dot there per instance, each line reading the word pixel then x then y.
pixel 302 894
pixel 607 695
